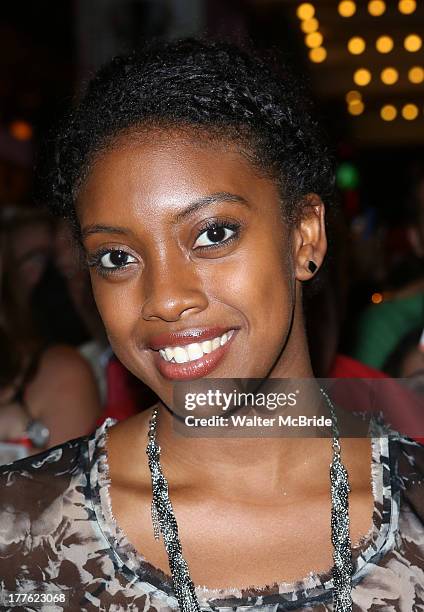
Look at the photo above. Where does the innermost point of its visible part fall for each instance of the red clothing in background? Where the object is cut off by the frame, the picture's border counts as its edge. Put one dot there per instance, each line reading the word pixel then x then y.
pixel 346 367
pixel 126 395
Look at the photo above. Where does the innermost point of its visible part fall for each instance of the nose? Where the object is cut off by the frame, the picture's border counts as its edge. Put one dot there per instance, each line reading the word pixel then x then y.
pixel 172 292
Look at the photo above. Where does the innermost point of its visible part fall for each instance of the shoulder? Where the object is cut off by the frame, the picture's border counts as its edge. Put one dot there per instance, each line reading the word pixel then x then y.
pixel 63 359
pixel 38 496
pixel 45 505
pixel 40 478
pixel 52 470
pixel 41 492
pixel 62 375
pixel 408 457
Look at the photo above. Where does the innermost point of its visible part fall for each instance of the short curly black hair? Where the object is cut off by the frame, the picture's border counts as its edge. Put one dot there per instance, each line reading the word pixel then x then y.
pixel 214 86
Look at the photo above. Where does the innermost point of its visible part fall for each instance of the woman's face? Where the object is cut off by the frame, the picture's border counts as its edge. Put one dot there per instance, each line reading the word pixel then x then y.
pixel 192 266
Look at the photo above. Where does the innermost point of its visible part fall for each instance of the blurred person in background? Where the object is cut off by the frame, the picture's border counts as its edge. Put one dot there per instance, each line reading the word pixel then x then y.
pixel 29 241
pixel 325 303
pixel 47 391
pixel 382 326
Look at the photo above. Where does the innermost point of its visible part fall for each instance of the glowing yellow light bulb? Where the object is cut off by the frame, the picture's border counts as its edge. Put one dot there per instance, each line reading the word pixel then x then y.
pixel 389 76
pixel 356 45
pixel 353 95
pixel 410 112
pixel 384 44
pixel 317 55
pixel 416 75
pixel 407 7
pixel 362 77
pixel 310 25
pixel 388 112
pixel 356 107
pixel 305 11
pixel 413 43
pixel 347 8
pixel 313 40
pixel 376 7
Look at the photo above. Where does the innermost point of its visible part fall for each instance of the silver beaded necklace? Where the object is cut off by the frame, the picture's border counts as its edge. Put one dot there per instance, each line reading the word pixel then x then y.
pixel 165 523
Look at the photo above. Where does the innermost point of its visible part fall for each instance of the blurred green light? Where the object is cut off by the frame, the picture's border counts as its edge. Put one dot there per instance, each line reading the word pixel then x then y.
pixel 347 176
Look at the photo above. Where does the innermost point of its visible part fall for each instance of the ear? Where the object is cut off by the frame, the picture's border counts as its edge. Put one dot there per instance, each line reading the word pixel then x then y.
pixel 309 238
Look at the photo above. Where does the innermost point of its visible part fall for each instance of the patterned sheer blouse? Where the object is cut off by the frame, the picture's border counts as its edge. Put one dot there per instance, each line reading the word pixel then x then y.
pixel 58 535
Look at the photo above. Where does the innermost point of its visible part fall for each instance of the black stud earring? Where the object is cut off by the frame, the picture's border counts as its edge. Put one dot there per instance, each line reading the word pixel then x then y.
pixel 312 266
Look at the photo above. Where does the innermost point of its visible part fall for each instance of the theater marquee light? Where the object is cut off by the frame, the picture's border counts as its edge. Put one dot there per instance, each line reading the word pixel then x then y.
pixel 347 8
pixel 413 43
pixel 389 76
pixel 372 29
pixel 356 108
pixel 317 55
pixel 362 77
pixel 388 112
pixel 416 75
pixel 309 25
pixel 410 112
pixel 305 11
pixel 376 8
pixel 356 45
pixel 407 7
pixel 384 44
pixel 353 95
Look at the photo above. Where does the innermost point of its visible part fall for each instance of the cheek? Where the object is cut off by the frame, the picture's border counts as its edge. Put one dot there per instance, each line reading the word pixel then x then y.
pixel 269 299
pixel 117 307
pixel 260 286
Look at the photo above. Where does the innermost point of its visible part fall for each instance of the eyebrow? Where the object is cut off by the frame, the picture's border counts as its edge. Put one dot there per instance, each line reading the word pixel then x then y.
pixel 213 198
pixel 103 229
pixel 190 209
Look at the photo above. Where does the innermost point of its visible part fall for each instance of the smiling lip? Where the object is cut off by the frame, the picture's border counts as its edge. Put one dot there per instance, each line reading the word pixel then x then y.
pixel 185 337
pixel 198 368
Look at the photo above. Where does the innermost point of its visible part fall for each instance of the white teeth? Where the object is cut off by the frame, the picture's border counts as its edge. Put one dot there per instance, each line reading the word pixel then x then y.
pixel 194 351
pixel 207 346
pixel 169 354
pixel 179 354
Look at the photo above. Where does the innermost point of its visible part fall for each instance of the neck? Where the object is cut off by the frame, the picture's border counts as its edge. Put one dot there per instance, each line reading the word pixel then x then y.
pixel 250 465
pixel 239 467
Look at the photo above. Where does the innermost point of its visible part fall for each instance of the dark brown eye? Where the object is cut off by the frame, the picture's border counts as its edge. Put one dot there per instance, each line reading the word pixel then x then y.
pixel 116 259
pixel 214 235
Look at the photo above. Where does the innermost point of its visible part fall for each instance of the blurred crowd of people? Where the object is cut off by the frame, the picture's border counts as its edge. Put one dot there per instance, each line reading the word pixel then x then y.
pixel 381 330
pixel 389 335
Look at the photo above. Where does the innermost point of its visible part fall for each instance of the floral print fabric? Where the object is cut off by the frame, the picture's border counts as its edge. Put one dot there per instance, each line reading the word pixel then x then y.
pixel 58 534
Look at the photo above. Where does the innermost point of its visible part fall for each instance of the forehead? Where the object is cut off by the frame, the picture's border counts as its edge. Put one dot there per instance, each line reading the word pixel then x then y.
pixel 161 171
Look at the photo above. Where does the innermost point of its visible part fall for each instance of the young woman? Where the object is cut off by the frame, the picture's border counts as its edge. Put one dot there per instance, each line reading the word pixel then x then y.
pixel 196 177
